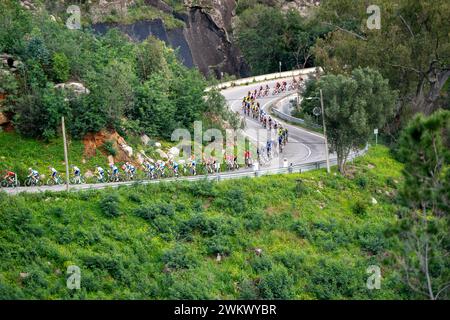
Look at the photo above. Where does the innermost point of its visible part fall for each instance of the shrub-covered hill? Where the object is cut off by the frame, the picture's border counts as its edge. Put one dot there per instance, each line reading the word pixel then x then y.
pixel 318 236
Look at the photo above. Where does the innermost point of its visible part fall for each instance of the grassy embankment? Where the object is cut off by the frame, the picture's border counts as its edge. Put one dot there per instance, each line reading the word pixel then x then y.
pixel 160 241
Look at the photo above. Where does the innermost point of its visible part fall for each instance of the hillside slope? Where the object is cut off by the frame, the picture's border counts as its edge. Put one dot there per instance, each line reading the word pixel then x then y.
pixel 317 237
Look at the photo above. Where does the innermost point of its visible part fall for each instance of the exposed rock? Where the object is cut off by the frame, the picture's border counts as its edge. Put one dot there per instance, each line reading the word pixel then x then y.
pixel 258 251
pixel 219 257
pixel 94 141
pixel 174 151
pixel 145 139
pixel 3 118
pixel 110 159
pixel 23 275
pixel 157 145
pixel 205 41
pixel 77 87
pixel 140 158
pixel 374 201
pixel 162 154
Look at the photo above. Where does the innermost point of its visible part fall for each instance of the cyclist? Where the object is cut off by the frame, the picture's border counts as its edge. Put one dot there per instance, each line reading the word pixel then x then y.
pixel 76 173
pixel 130 169
pixel 150 169
pixel 10 177
pixel 33 174
pixel 100 173
pixel 54 173
pixel 175 168
pixel 114 172
pixel 193 166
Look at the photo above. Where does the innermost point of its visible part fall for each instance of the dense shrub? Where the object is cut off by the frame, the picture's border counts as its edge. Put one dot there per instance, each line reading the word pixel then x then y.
pixel 261 263
pixel 219 244
pixel 153 210
pixel 336 280
pixel 134 198
pixel 302 229
pixel 233 200
pixel 110 205
pixel 361 181
pixel 248 290
pixel 276 284
pixel 359 208
pixel 179 257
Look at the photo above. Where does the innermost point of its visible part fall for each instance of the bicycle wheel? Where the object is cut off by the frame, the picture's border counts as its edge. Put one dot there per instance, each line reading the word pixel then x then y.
pixel 4 183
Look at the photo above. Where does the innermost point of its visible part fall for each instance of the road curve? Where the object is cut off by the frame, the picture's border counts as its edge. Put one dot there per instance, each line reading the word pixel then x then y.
pixel 303 146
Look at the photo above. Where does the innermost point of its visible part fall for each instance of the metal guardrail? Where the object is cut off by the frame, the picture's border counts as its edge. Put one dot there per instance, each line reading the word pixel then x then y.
pixel 248 173
pixel 265 77
pixel 287 117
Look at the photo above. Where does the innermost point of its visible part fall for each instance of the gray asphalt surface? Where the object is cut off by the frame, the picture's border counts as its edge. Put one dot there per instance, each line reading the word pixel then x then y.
pixel 303 146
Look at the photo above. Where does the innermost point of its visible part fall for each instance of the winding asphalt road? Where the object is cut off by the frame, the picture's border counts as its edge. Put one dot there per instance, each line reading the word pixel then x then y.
pixel 303 146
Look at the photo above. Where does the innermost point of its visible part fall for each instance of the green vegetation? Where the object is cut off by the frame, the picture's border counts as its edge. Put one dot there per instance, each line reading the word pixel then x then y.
pixel 354 107
pixel 18 153
pixel 161 241
pixel 140 11
pixel 425 221
pixel 410 49
pixel 266 36
pixel 134 88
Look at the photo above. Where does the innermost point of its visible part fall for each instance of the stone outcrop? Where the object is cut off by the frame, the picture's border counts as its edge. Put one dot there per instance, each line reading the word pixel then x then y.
pixel 205 41
pixel 77 87
pixel 93 142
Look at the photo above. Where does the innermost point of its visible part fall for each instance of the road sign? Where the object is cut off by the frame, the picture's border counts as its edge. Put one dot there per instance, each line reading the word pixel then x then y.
pixel 316 111
pixel 375 131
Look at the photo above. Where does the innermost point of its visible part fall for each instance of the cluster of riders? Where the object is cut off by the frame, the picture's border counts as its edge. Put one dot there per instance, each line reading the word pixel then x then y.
pixel 252 108
pixel 161 169
pixel 128 172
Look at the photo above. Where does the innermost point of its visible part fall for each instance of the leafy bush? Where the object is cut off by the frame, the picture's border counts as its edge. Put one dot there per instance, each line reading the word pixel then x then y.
pixel 359 208
pixel 336 280
pixel 302 229
pixel 233 200
pixel 219 244
pixel 248 290
pixel 110 205
pixel 153 210
pixel 361 181
pixel 134 198
pixel 261 263
pixel 179 257
pixel 276 284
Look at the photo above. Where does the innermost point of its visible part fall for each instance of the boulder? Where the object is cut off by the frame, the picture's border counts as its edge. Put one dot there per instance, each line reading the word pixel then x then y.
pixel 110 159
pixel 374 201
pixel 3 118
pixel 145 139
pixel 157 145
pixel 77 87
pixel 162 154
pixel 174 151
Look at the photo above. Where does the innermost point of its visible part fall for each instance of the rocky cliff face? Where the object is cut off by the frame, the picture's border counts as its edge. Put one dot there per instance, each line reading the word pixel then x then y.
pixel 204 42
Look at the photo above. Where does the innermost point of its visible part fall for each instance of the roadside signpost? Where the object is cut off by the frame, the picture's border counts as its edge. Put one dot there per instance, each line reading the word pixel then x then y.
pixel 375 132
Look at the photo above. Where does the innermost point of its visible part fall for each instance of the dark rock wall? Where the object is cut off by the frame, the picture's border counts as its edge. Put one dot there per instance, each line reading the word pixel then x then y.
pixel 203 43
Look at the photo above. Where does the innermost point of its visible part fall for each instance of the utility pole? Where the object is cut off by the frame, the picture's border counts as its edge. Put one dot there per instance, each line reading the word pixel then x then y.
pixel 66 157
pixel 325 132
